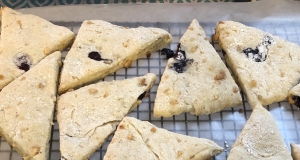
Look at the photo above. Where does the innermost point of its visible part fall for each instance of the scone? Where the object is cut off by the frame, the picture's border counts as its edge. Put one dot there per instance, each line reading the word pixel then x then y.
pixel 195 80
pixel 260 139
pixel 27 107
pixel 25 40
pixel 266 66
pixel 87 116
pixel 101 48
pixel 294 96
pixel 137 140
pixel 295 151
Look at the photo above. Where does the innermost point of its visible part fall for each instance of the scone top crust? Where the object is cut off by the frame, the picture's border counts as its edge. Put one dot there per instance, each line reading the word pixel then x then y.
pixel 25 40
pixel 135 140
pixel 87 116
pixel 27 107
pixel 205 86
pixel 264 80
pixel 260 139
pixel 101 48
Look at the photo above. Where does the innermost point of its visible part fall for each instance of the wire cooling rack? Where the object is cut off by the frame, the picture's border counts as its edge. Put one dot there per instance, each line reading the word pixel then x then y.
pixel 221 127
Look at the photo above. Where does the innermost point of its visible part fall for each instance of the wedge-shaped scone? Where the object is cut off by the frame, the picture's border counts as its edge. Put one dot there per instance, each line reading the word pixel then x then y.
pixel 205 85
pixel 87 116
pixel 101 48
pixel 136 140
pixel 27 107
pixel 266 66
pixel 260 139
pixel 295 148
pixel 25 40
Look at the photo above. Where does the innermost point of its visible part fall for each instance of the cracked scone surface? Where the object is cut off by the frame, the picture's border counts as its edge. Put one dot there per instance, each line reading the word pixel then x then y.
pixel 136 140
pixel 29 36
pixel 27 106
pixel 295 148
pixel 205 86
pixel 87 116
pixel 260 139
pixel 263 82
pixel 118 45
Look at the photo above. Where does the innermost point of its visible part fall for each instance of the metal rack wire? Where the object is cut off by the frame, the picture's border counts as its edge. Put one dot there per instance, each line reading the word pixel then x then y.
pixel 220 127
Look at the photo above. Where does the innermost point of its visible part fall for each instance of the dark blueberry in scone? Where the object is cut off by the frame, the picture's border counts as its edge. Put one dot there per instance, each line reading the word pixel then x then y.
pixel 23 61
pixel 97 57
pixel 142 96
pixel 168 52
pixel 296 100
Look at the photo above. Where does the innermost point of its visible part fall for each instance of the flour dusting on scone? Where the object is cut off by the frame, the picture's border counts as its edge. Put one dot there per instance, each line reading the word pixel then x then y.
pixel 102 48
pixel 266 66
pixel 260 139
pixel 27 107
pixel 87 116
pixel 136 140
pixel 25 41
pixel 195 79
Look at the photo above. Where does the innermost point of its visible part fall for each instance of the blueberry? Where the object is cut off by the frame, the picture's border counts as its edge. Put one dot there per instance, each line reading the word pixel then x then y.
pixel 142 96
pixel 296 101
pixel 95 56
pixel 23 61
pixel 24 66
pixel 179 67
pixel 168 52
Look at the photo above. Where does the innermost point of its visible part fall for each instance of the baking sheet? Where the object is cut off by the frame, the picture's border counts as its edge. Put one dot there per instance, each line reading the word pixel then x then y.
pixel 220 127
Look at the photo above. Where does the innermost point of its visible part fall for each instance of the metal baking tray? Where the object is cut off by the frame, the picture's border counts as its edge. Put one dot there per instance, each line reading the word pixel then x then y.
pixel 221 127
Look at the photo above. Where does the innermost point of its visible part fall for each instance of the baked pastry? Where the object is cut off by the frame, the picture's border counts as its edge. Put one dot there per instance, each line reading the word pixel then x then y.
pixel 294 96
pixel 87 116
pixel 260 139
pixel 266 66
pixel 27 107
pixel 195 79
pixel 295 151
pixel 25 40
pixel 102 48
pixel 136 140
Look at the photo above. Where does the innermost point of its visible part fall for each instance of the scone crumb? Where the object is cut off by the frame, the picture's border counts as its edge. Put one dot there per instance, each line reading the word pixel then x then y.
pixel 252 83
pixel 173 102
pixel 235 89
pixel 153 129
pixel 34 150
pixel 59 63
pixel 143 82
pixel 179 154
pixel 20 24
pixel 106 94
pixel 1 77
pixel 89 22
pixel 47 51
pixel 130 136
pixel 241 110
pixel 128 64
pixel 221 75
pixel 93 91
pixel 41 85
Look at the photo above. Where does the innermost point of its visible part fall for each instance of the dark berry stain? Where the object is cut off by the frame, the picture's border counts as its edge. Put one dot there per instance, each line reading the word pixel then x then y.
pixel 24 66
pixel 296 101
pixel 97 57
pixel 142 96
pixel 168 52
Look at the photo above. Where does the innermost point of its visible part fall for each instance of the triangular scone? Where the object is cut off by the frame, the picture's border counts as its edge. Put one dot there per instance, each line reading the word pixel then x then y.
pixel 136 140
pixel 204 87
pixel 27 107
pixel 295 148
pixel 101 48
pixel 260 139
pixel 25 40
pixel 266 66
pixel 87 116
pixel 294 96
